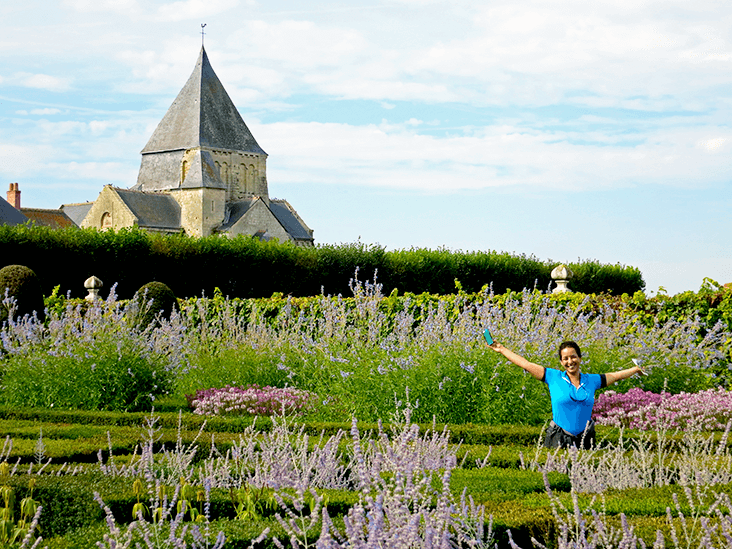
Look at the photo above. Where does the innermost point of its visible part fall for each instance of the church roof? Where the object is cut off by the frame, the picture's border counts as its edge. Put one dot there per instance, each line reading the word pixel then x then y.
pixel 56 219
pixel 77 212
pixel 289 219
pixel 202 115
pixel 9 215
pixel 235 211
pixel 153 210
pixel 282 211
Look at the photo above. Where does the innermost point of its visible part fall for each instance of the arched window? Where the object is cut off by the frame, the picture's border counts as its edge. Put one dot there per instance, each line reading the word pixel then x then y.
pixel 253 188
pixel 224 172
pixel 243 180
pixel 106 222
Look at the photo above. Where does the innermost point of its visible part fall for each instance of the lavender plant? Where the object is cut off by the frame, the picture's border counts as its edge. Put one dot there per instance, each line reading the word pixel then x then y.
pixel 281 458
pixel 360 356
pixel 400 509
pixel 586 529
pixel 359 351
pixel 94 347
pixel 707 524
pixel 667 455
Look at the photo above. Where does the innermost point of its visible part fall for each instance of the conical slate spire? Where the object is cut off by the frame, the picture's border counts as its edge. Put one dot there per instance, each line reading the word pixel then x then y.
pixel 202 115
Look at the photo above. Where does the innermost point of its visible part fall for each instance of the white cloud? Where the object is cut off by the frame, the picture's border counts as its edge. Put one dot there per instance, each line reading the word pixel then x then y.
pixel 46 111
pixel 17 161
pixel 126 7
pixel 714 145
pixel 298 45
pixel 42 81
pixel 194 9
pixel 104 172
pixel 396 156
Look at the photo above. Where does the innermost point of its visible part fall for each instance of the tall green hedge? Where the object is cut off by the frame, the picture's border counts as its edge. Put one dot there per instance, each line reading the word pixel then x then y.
pixel 247 267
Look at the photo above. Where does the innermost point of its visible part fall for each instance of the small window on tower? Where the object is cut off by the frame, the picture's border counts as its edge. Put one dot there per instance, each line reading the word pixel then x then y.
pixel 212 205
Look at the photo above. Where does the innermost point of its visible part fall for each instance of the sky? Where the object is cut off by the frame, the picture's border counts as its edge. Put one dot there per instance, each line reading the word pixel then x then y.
pixel 564 130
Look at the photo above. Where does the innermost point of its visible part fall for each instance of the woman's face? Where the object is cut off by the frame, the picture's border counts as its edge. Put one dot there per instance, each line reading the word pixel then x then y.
pixel 570 360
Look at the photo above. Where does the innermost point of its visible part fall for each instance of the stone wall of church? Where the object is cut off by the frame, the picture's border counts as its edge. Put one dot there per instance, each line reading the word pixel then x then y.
pixel 245 174
pixel 258 219
pixel 160 171
pixel 109 212
pixel 201 210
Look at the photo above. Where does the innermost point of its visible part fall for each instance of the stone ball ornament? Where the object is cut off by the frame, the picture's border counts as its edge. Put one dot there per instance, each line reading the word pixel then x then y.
pixel 561 275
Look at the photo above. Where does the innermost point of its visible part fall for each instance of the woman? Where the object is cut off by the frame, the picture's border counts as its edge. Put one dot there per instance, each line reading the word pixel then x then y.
pixel 572 394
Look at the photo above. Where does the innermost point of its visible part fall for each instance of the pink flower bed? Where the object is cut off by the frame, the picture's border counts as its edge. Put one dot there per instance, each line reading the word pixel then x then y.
pixel 252 400
pixel 639 409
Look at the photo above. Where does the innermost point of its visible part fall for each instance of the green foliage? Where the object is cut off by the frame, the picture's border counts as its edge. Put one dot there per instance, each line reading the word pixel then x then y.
pixel 492 483
pixel 711 305
pixel 152 302
pixel 252 503
pixel 513 496
pixel 66 257
pixel 12 531
pixel 67 502
pixel 248 267
pixel 238 366
pixel 106 377
pixel 22 285
pixel 591 277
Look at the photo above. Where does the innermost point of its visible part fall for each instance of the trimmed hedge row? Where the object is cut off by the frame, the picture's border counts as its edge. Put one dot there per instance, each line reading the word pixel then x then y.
pixel 247 267
pixel 515 498
pixel 86 424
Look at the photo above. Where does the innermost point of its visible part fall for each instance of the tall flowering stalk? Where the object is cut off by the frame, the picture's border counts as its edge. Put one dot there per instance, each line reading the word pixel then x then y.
pixel 400 509
pixel 96 347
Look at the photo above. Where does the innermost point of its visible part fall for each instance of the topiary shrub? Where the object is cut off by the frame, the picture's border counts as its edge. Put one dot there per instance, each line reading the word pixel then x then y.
pixel 22 284
pixel 152 302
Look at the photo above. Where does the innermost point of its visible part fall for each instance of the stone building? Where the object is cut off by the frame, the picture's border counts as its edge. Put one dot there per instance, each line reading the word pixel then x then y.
pixel 202 172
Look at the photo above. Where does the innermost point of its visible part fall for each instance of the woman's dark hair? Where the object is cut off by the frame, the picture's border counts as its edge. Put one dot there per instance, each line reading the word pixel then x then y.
pixel 571 344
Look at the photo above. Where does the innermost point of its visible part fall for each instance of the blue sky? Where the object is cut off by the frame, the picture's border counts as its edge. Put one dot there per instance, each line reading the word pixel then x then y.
pixel 564 130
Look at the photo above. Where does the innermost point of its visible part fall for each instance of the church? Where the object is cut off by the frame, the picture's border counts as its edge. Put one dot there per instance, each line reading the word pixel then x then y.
pixel 202 173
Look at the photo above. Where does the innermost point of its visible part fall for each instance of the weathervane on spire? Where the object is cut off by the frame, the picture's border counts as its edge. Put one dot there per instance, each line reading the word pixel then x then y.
pixel 202 33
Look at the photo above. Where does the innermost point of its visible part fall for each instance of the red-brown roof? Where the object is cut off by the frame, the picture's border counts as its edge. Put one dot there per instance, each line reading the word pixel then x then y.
pixel 56 219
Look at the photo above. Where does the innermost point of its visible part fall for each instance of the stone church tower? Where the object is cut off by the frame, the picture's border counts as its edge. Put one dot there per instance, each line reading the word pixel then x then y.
pixel 202 172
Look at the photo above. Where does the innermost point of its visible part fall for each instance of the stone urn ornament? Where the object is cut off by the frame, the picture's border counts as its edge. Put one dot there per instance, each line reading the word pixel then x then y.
pixel 93 285
pixel 561 275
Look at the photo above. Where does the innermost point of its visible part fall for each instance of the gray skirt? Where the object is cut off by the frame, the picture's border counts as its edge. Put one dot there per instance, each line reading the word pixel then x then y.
pixel 556 437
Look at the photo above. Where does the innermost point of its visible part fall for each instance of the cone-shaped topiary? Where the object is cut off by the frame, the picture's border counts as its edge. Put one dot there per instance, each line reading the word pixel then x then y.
pixel 22 284
pixel 152 301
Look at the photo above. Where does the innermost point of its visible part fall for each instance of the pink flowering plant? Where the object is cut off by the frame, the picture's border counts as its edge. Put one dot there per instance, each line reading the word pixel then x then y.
pixel 252 400
pixel 639 409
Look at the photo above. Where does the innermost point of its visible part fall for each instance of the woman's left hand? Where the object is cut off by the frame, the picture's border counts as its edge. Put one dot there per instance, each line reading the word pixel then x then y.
pixel 641 369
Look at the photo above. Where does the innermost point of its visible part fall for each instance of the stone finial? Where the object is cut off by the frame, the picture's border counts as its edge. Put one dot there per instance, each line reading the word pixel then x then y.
pixel 93 285
pixel 561 275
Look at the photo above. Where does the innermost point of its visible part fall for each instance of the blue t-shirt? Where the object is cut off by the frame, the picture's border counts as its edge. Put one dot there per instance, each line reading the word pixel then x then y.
pixel 572 406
